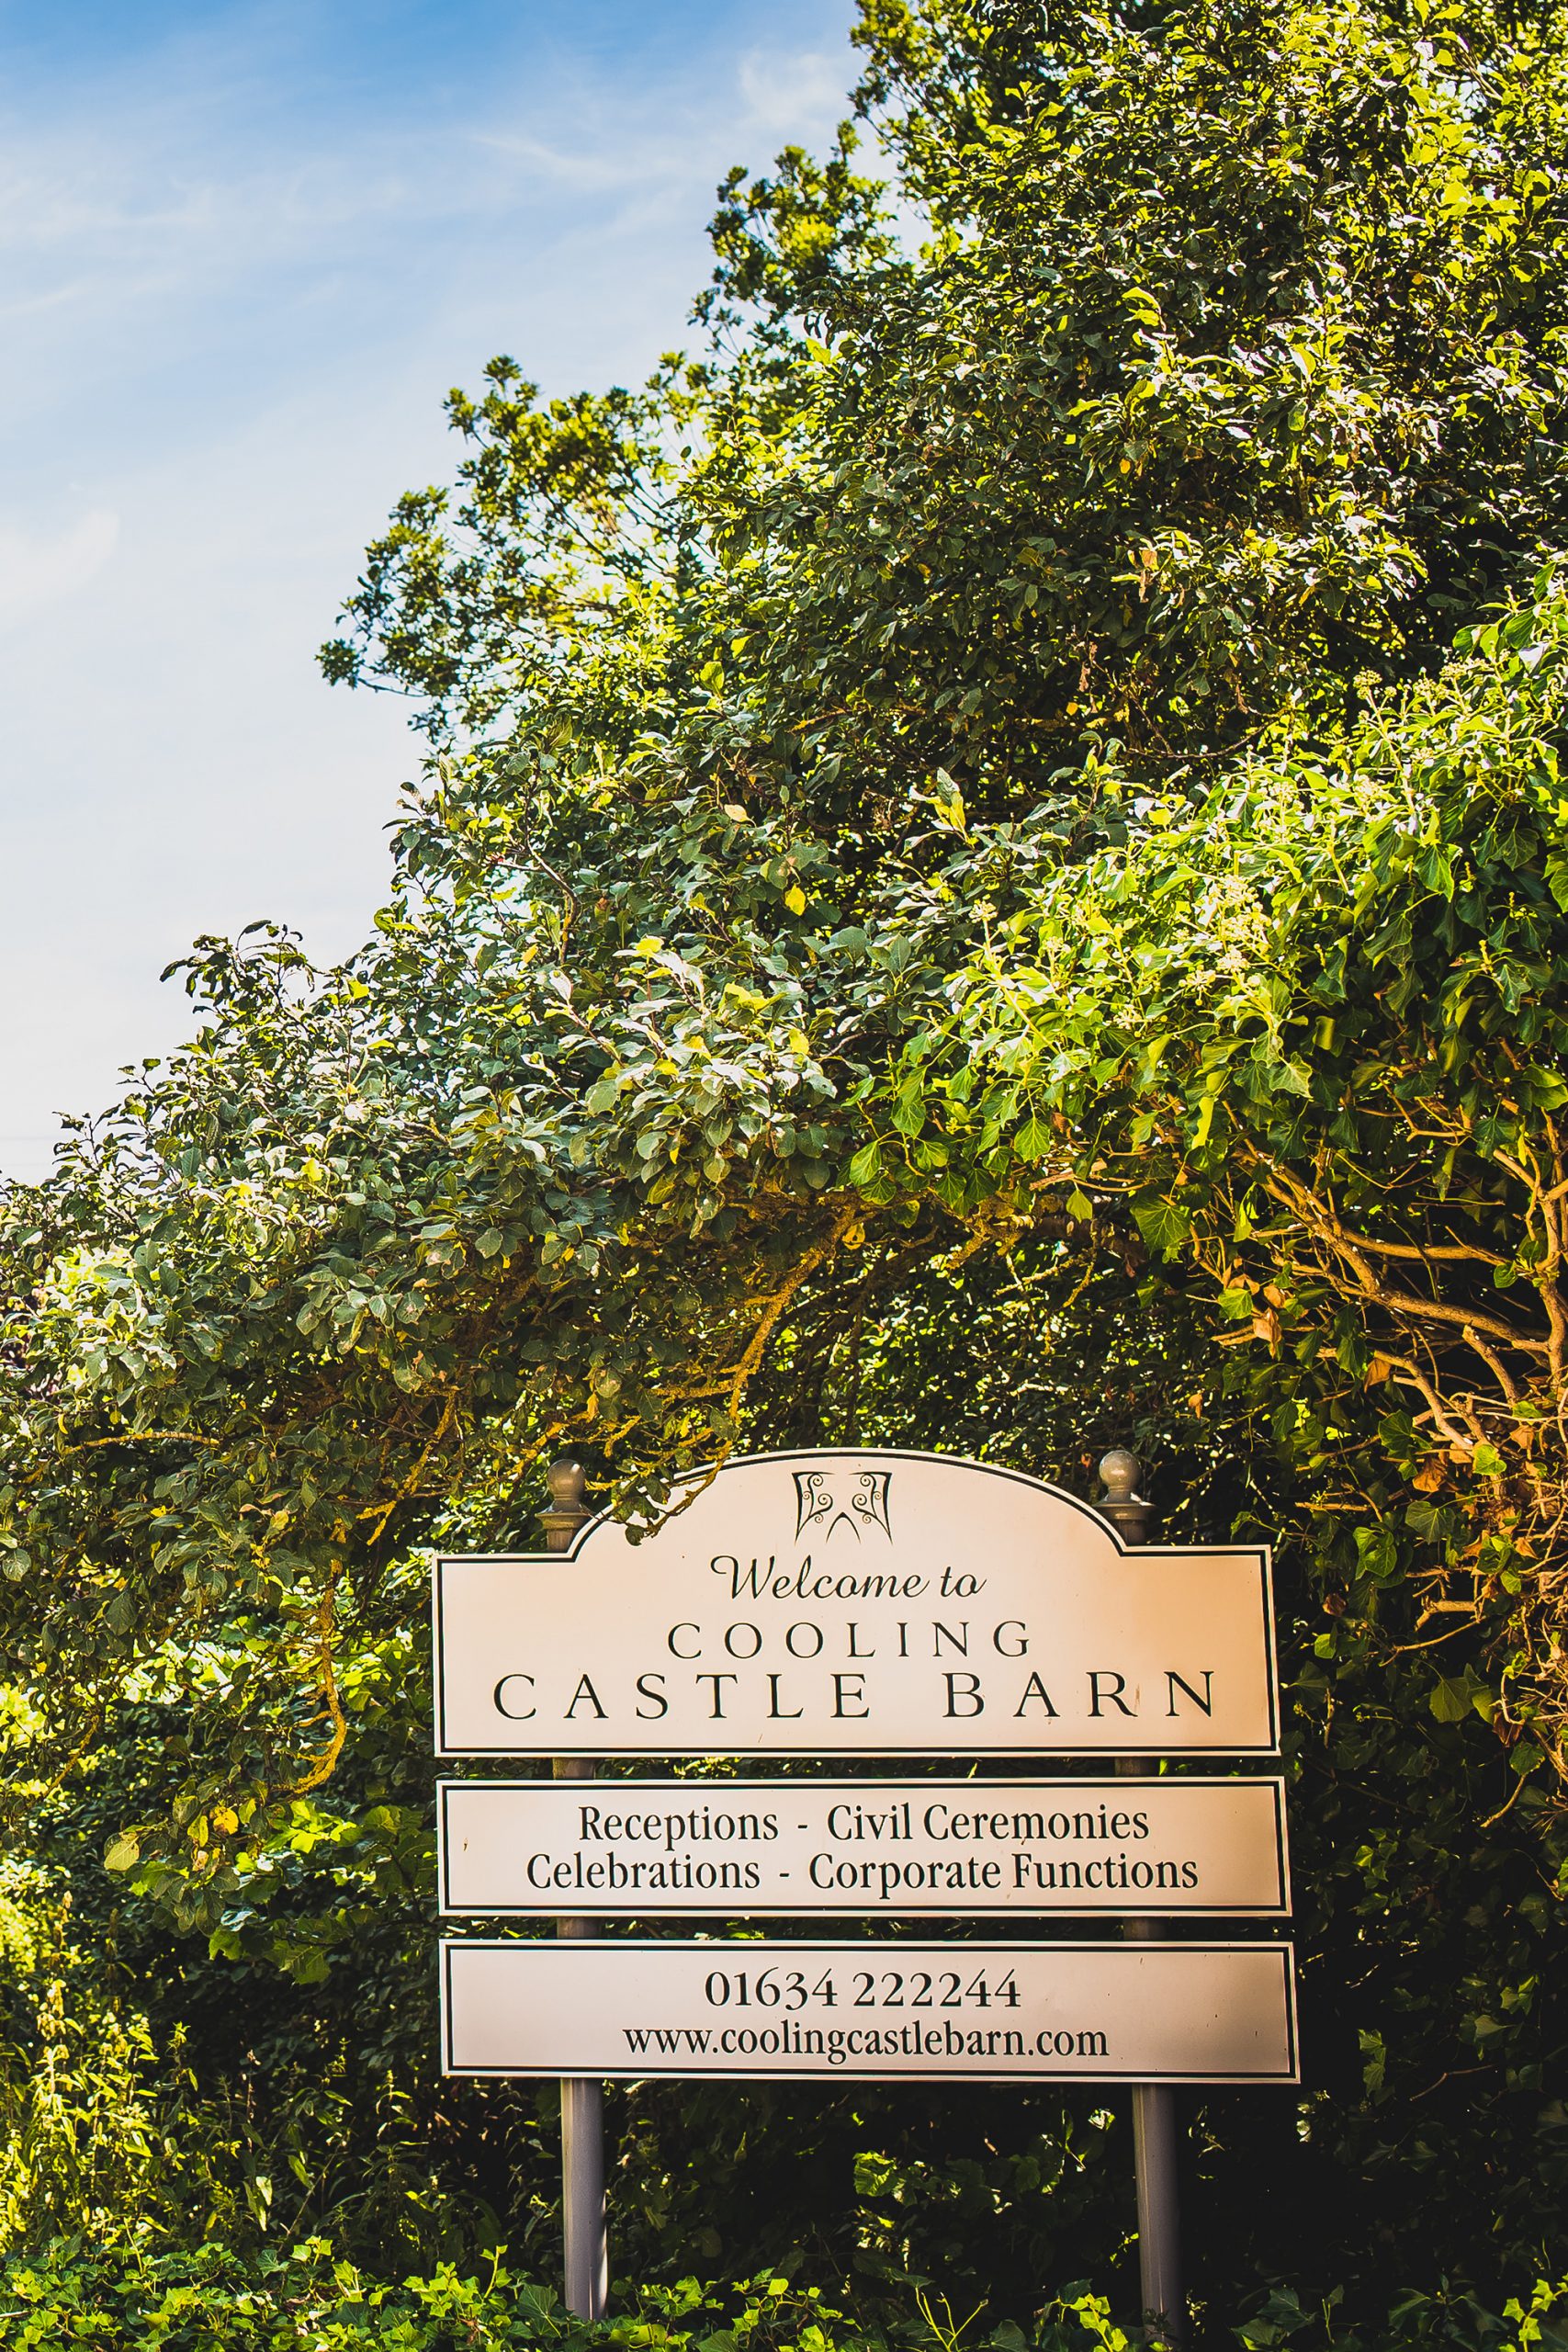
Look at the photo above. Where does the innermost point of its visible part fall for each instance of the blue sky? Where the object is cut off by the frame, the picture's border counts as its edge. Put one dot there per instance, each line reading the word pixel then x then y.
pixel 244 253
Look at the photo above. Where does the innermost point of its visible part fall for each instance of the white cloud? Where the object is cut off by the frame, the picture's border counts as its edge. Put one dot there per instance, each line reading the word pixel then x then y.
pixel 37 570
pixel 801 93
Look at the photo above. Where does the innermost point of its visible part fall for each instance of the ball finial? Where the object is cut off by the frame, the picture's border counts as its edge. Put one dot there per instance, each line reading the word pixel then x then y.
pixel 1121 1504
pixel 1119 1470
pixel 568 1483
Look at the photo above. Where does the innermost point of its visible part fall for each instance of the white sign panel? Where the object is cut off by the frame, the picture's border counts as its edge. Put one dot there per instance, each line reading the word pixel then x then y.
pixel 901 1848
pixel 869 2012
pixel 837 1602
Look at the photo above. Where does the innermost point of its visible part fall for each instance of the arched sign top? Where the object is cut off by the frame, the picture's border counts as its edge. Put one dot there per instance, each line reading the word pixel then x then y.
pixel 863 1479
pixel 853 1599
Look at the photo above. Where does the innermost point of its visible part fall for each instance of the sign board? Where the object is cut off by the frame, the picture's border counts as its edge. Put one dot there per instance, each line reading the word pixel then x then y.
pixel 872 2012
pixel 845 1601
pixel 763 1849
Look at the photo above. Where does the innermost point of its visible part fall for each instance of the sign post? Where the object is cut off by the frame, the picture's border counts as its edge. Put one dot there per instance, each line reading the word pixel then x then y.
pixel 1154 2104
pixel 585 2222
pixel 861 1601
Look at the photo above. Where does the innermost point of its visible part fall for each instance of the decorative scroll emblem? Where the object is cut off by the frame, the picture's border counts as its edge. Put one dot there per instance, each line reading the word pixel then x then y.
pixel 818 1503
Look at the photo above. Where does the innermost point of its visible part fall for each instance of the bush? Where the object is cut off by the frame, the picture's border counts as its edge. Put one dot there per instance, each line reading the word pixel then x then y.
pixel 309 2301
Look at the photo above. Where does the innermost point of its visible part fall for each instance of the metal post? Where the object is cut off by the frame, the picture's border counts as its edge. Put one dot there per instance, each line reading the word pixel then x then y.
pixel 584 2223
pixel 1154 2104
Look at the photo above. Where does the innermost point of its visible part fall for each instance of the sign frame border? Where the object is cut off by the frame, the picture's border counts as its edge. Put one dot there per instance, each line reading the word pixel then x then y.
pixel 1286 1952
pixel 553 1907
pixel 1260 1553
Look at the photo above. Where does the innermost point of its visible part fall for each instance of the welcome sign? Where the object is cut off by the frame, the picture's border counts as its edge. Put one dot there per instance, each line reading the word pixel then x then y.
pixel 850 1601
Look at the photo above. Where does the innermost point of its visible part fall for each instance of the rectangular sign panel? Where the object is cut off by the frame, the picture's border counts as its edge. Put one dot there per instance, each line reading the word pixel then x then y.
pixel 845 1601
pixel 870 2012
pixel 902 1848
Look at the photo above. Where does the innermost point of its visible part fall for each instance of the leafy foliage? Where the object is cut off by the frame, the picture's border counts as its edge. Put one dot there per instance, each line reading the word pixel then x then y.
pixel 1307 1028
pixel 311 2301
